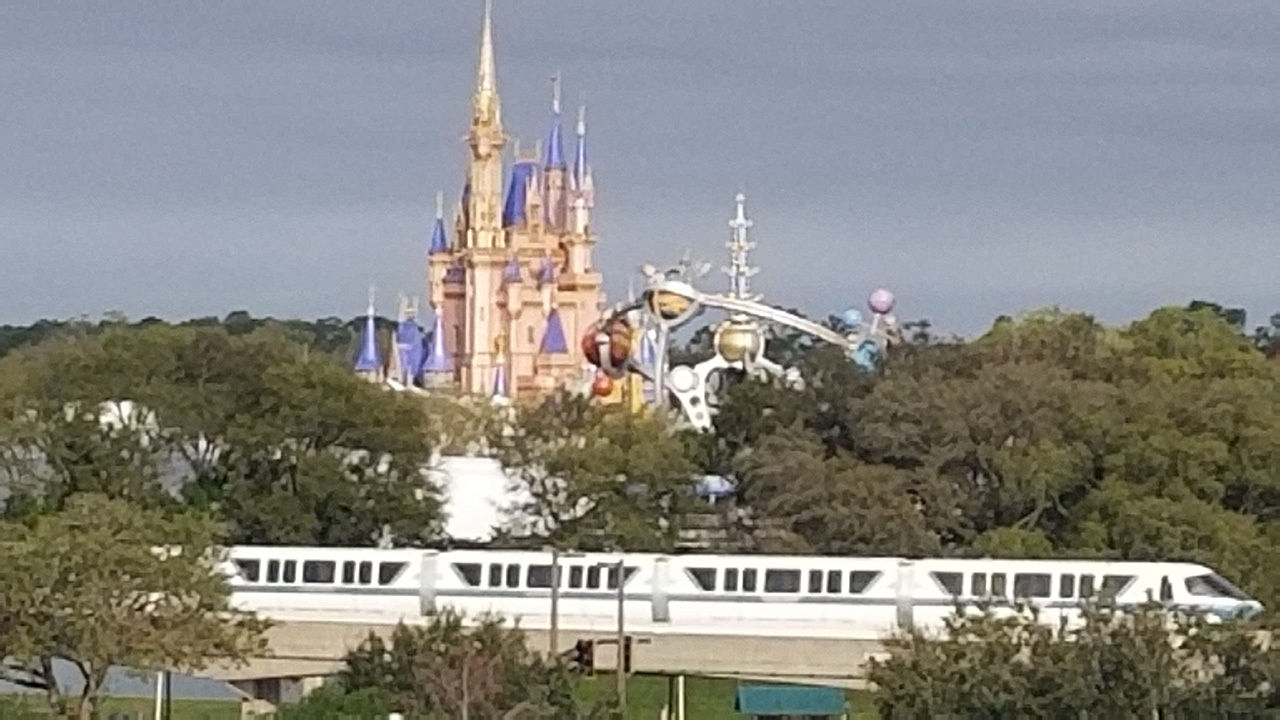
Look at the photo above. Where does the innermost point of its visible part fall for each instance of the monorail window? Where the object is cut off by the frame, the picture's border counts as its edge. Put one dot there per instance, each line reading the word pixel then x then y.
pixel 788 581
pixel 835 579
pixel 593 577
pixel 469 572
pixel 978 584
pixel 1066 586
pixel 495 575
pixel 860 580
pixel 1113 585
pixel 731 579
pixel 513 575
pixel 952 582
pixel 1086 586
pixel 318 571
pixel 575 576
pixel 815 581
pixel 366 572
pixel 612 581
pixel 290 573
pixel 248 569
pixel 1166 589
pixel 749 580
pixel 1032 585
pixel 998 585
pixel 704 578
pixel 349 572
pixel 273 571
pixel 538 576
pixel 1214 585
pixel 389 571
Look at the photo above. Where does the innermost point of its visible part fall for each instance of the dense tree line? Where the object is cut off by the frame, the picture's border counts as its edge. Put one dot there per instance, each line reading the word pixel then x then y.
pixel 1047 435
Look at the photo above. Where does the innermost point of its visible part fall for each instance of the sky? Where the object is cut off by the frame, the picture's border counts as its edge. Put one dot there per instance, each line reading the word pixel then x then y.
pixel 977 158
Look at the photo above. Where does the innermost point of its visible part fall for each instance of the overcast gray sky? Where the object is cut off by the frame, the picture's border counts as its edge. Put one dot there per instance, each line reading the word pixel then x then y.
pixel 979 158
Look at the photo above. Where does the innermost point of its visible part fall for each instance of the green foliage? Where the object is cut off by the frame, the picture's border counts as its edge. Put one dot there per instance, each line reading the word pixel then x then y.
pixel 287 446
pixel 431 671
pixel 599 478
pixel 1144 663
pixel 1046 436
pixel 95 584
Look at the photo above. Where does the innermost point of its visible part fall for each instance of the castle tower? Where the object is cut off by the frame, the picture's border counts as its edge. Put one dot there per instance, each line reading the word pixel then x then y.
pixel 369 360
pixel 517 282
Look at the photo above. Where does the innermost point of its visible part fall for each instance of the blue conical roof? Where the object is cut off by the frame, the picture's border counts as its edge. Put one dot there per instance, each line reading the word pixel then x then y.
pixel 580 155
pixel 437 359
pixel 511 271
pixel 553 342
pixel 513 208
pixel 409 346
pixel 555 146
pixel 369 359
pixel 500 381
pixel 439 241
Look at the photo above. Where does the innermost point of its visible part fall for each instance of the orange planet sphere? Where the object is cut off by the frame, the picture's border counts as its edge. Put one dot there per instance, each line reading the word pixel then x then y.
pixel 602 386
pixel 619 343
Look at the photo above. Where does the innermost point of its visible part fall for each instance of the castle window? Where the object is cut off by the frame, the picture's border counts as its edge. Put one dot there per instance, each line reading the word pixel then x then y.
pixel 529 334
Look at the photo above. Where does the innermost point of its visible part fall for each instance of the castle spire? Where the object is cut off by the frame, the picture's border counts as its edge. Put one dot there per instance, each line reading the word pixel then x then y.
pixel 555 141
pixel 486 99
pixel 580 155
pixel 369 361
pixel 439 240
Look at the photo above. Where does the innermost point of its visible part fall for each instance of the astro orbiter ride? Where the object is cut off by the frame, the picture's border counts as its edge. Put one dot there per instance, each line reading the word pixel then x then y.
pixel 634 339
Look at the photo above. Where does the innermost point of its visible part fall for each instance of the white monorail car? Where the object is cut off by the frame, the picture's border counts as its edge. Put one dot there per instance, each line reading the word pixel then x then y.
pixel 755 595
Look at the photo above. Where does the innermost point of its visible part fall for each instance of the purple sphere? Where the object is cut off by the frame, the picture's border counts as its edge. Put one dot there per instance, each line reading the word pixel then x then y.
pixel 881 301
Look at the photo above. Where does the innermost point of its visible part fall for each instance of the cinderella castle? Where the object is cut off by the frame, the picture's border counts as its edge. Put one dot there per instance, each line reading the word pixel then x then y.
pixel 510 279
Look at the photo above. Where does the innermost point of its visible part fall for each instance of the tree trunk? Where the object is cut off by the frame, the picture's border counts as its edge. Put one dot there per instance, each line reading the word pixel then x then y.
pixel 88 706
pixel 52 693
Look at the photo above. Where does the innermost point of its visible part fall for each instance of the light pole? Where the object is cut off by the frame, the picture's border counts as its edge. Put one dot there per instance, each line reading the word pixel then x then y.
pixel 622 639
pixel 554 640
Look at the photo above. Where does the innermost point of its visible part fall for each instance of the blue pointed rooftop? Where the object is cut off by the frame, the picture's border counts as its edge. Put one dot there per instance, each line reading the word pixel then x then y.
pixel 547 272
pixel 437 359
pixel 517 191
pixel 580 163
pixel 369 359
pixel 511 272
pixel 500 382
pixel 409 345
pixel 553 342
pixel 555 146
pixel 439 241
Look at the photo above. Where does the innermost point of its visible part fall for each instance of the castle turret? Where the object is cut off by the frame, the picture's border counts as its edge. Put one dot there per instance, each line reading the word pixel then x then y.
pixel 369 360
pixel 582 187
pixel 556 194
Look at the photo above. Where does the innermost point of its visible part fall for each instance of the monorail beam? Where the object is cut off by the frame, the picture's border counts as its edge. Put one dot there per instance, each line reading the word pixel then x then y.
pixel 317 648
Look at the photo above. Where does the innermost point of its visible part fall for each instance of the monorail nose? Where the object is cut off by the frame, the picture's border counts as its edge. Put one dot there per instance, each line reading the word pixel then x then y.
pixel 1250 610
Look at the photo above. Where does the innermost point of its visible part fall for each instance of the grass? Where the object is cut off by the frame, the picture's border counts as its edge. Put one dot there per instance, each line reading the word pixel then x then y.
pixel 33 707
pixel 704 698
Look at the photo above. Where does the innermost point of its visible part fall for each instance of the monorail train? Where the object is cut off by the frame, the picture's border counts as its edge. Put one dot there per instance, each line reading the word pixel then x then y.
pixel 755 595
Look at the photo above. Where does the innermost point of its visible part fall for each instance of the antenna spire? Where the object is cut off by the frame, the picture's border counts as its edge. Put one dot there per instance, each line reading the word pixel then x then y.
pixel 739 271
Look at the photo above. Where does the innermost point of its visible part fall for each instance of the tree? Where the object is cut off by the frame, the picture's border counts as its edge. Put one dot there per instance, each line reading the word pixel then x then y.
pixel 447 670
pixel 599 478
pixel 286 445
pixel 1144 663
pixel 105 583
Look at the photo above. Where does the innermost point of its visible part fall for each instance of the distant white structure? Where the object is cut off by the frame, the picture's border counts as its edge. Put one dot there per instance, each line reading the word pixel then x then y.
pixel 479 497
